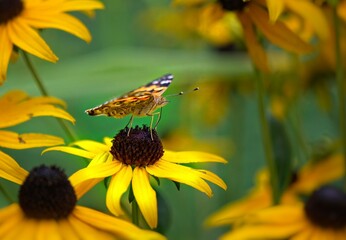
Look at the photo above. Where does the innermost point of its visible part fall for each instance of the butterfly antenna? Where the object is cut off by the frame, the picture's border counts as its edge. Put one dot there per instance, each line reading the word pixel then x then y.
pixel 183 93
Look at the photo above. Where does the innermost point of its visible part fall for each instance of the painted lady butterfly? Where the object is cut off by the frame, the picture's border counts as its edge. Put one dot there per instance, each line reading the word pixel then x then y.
pixel 140 102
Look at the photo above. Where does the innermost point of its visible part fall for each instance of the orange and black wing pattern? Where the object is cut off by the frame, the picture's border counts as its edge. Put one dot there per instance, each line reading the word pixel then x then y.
pixel 127 103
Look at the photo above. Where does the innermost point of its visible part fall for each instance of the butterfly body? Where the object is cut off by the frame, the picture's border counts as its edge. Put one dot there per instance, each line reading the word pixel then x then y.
pixel 140 102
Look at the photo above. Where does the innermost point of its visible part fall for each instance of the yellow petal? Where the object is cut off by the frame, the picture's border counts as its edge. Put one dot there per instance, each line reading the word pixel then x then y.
pixel 92 146
pixel 81 5
pixel 191 157
pixel 29 40
pixel 89 173
pixel 89 13
pixel 48 227
pixel 293 213
pixel 47 110
pixel 108 141
pixel 28 229
pixel 73 151
pixel 103 157
pixel 256 200
pixel 340 234
pixel 303 235
pixel 179 173
pixel 145 196
pixel 342 10
pixel 10 170
pixel 118 185
pixel 13 210
pixel 5 52
pixel 86 178
pixel 265 231
pixel 84 187
pixel 318 233
pixel 120 228
pixel 275 8
pixel 36 100
pixel 212 177
pixel 66 231
pixel 27 140
pixel 24 112
pixel 254 48
pixel 311 14
pixel 10 218
pixel 85 230
pixel 278 33
pixel 59 21
pixel 11 98
pixel 318 173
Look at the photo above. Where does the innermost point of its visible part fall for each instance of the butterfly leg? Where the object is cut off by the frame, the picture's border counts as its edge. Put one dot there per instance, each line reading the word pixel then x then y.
pixel 129 123
pixel 158 118
pixel 151 123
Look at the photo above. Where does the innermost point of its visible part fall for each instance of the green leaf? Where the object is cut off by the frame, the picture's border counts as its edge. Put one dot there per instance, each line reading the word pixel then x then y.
pixel 282 153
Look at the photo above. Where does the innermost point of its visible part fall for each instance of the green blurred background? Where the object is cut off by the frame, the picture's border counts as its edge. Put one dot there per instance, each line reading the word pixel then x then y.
pixel 221 118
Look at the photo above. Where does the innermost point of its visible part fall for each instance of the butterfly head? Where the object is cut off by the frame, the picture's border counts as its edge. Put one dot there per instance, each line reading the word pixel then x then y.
pixel 90 112
pixel 95 111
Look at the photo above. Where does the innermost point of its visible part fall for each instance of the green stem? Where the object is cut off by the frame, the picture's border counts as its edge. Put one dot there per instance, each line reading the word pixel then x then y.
pixel 295 121
pixel 340 81
pixel 70 134
pixel 268 148
pixel 135 212
pixel 5 194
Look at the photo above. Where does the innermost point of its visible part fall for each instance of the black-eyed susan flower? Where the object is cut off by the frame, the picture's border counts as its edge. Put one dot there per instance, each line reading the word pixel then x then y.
pixel 133 159
pixel 308 178
pixel 321 216
pixel 20 20
pixel 306 10
pixel 47 208
pixel 17 107
pixel 251 15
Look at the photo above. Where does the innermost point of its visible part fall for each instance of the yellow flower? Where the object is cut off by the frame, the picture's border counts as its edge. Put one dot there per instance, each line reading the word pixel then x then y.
pixel 133 159
pixel 47 208
pixel 341 8
pixel 17 107
pixel 322 216
pixel 306 10
pixel 20 19
pixel 250 14
pixel 309 177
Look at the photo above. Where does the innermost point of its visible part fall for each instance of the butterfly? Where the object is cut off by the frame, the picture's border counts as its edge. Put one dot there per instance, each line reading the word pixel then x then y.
pixel 140 102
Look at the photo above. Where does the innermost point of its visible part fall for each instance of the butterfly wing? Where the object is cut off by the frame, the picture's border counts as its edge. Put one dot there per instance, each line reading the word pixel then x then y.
pixel 156 87
pixel 123 105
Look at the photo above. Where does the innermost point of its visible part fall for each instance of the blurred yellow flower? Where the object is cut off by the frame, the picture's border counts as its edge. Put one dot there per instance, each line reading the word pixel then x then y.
pixel 47 208
pixel 341 8
pixel 219 16
pixel 306 10
pixel 308 178
pixel 17 107
pixel 133 159
pixel 20 19
pixel 322 216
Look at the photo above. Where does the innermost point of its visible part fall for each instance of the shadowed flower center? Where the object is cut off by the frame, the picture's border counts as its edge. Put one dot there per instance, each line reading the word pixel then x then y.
pixel 326 208
pixel 47 194
pixel 10 9
pixel 139 148
pixel 233 5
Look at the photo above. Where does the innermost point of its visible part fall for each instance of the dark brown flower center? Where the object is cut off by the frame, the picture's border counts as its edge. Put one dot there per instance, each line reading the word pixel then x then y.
pixel 326 208
pixel 9 9
pixel 142 147
pixel 233 5
pixel 47 194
